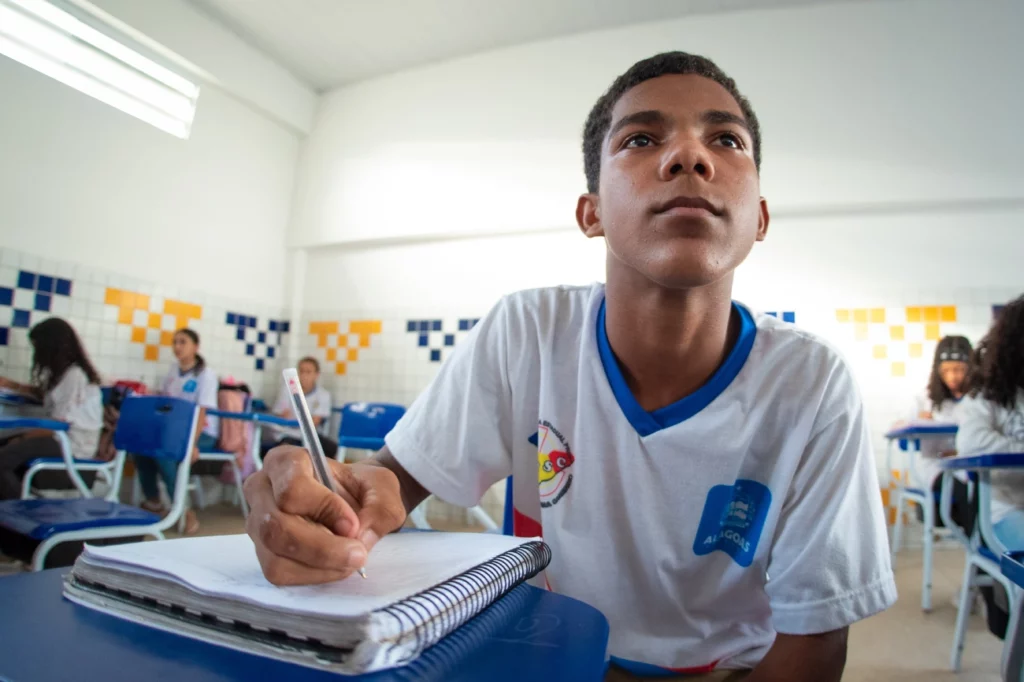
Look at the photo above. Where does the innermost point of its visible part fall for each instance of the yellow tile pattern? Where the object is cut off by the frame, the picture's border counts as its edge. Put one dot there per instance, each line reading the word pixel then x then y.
pixel 895 335
pixel 171 316
pixel 330 337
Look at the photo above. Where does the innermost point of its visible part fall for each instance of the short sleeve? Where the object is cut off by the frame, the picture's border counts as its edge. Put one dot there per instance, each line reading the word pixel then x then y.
pixel 323 403
pixel 68 395
pixel 206 391
pixel 829 564
pixel 456 438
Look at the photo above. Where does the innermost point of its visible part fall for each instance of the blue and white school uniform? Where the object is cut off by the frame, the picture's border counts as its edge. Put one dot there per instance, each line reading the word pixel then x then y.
pixel 197 387
pixel 701 529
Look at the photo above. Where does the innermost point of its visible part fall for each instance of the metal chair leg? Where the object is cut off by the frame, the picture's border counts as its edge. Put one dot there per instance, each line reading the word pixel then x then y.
pixel 928 554
pixel 963 613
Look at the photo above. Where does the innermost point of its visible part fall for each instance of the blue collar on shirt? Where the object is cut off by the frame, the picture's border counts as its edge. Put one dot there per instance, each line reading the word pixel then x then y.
pixel 646 422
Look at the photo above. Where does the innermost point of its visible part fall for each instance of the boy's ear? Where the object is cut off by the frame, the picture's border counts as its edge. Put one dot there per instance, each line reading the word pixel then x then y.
pixel 588 216
pixel 762 223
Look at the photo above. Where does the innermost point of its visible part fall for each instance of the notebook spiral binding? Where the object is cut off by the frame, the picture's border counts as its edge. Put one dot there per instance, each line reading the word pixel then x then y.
pixel 433 613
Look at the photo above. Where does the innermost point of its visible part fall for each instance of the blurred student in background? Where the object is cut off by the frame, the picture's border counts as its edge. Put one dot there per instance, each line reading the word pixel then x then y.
pixel 189 379
pixel 69 386
pixel 992 418
pixel 319 401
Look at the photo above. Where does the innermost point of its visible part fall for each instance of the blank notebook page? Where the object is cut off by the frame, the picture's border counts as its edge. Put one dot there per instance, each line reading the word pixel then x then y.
pixel 399 566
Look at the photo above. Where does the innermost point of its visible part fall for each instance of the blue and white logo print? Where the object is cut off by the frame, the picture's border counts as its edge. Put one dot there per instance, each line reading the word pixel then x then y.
pixel 190 386
pixel 733 519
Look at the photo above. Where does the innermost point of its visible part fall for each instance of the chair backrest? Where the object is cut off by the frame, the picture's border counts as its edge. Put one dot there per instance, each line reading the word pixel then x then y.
pixel 368 420
pixel 156 426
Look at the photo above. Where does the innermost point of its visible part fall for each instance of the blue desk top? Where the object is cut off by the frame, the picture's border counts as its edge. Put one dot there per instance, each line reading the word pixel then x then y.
pixel 993 461
pixel 274 419
pixel 32 423
pixel 530 634
pixel 12 398
pixel 923 431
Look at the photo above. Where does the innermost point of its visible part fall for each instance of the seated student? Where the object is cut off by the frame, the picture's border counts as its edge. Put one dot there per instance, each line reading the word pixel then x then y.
pixel 70 389
pixel 992 419
pixel 319 401
pixel 702 473
pixel 191 380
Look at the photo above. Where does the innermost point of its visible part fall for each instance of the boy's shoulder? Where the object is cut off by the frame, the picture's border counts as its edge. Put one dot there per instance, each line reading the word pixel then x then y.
pixel 783 347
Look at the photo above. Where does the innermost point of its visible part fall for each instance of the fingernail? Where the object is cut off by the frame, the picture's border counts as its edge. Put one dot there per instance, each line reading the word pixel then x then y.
pixel 369 538
pixel 344 527
pixel 357 556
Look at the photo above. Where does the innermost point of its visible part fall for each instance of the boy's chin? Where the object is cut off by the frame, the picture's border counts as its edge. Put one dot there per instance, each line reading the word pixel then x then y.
pixel 686 272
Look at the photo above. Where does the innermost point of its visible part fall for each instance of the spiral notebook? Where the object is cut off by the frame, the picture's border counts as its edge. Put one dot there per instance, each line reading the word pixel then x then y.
pixel 421 587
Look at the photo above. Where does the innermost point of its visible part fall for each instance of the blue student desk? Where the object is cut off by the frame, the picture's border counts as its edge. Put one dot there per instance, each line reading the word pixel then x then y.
pixel 528 635
pixel 15 404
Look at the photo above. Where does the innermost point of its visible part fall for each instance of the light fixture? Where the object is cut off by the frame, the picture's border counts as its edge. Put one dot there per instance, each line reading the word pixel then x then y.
pixel 44 37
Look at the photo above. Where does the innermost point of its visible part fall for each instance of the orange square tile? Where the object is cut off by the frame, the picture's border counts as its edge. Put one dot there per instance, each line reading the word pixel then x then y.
pixel 843 316
pixel 321 341
pixel 947 313
pixel 878 315
pixel 364 327
pixel 124 315
pixel 339 368
pixel 364 340
pixel 931 331
pixel 152 353
pixel 860 331
pixel 899 369
pixel 916 350
pixel 141 302
pixel 860 315
pixel 155 320
pixel 914 314
pixel 112 297
pixel 880 352
pixel 353 354
pixel 167 338
pixel 323 327
pixel 138 335
pixel 931 314
pixel 174 307
pixel 127 299
pixel 180 322
pixel 896 332
pixel 342 340
pixel 332 354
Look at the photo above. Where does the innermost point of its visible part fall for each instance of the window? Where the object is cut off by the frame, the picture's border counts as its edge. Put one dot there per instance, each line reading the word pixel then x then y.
pixel 44 37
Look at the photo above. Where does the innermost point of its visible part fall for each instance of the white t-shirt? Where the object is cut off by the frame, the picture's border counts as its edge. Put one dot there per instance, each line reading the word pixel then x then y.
pixel 75 401
pixel 319 401
pixel 200 389
pixel 927 465
pixel 668 522
pixel 987 428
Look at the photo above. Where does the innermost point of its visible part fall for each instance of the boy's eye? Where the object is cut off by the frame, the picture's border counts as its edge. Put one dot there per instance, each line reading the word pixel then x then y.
pixel 638 140
pixel 730 140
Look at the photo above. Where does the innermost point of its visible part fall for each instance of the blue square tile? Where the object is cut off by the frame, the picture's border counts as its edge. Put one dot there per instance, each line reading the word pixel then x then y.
pixel 449 339
pixel 789 317
pixel 43 302
pixel 771 313
pixel 270 351
pixel 435 325
pixel 63 287
pixel 26 280
pixel 435 356
pixel 250 349
pixel 240 334
pixel 424 325
pixel 3 336
pixel 20 319
pixel 411 326
pixel 6 296
pixel 231 319
pixel 286 327
pixel 273 325
pixel 45 283
pixel 261 337
pixel 463 325
pixel 424 340
pixel 259 363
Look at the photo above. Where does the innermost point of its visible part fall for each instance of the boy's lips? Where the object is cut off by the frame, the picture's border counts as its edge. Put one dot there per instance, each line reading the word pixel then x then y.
pixel 683 205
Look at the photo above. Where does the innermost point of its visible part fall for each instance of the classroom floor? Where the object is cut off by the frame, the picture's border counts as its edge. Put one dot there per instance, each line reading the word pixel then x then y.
pixel 902 644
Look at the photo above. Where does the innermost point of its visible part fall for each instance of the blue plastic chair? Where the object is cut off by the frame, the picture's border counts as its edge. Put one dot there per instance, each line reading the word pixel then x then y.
pixel 1013 648
pixel 364 425
pixel 108 471
pixel 152 426
pixel 228 457
pixel 267 419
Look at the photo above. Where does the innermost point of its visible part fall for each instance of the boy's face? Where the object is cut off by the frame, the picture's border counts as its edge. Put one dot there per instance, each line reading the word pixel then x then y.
pixel 308 376
pixel 679 196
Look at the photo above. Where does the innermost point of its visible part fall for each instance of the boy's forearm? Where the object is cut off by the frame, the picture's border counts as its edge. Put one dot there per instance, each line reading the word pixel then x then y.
pixel 412 492
pixel 804 658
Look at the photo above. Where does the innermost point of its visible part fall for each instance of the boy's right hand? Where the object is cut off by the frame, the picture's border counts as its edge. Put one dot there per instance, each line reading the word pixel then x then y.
pixel 306 534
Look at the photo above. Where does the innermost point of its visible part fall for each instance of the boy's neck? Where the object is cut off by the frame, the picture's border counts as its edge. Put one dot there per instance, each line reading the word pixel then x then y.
pixel 669 342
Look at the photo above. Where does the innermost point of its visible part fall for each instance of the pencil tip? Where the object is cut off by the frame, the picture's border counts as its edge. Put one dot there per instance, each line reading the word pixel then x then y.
pixel 362 572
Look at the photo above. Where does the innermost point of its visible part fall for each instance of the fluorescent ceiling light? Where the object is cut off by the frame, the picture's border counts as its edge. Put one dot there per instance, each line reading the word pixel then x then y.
pixel 51 41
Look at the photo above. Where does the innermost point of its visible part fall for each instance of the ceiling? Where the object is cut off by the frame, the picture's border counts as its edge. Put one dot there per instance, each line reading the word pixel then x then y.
pixel 328 43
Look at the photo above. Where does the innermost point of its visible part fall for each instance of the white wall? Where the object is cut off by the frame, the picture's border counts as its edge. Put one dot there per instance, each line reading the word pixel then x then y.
pixel 861 103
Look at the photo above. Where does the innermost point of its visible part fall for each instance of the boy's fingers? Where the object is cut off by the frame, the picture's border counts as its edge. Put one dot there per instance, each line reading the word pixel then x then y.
pixel 282 571
pixel 380 515
pixel 297 492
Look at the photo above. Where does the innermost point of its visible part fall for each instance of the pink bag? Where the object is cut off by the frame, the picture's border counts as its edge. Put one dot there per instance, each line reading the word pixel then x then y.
pixel 235 436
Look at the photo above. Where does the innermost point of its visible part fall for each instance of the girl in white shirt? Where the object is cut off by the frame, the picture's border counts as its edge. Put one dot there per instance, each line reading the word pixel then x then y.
pixel 993 417
pixel 190 379
pixel 69 387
